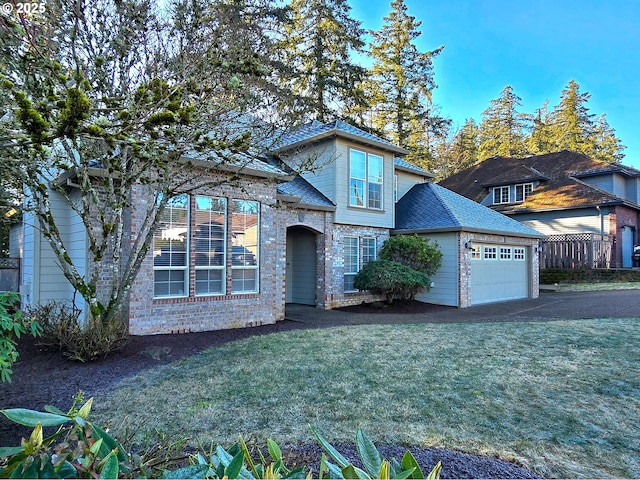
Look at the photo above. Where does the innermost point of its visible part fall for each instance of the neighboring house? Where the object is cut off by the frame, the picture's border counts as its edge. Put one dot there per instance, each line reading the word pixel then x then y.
pixel 560 193
pixel 233 255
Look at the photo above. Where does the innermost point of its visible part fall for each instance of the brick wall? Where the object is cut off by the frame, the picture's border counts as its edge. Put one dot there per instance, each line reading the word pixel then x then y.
pixel 619 217
pixel 148 315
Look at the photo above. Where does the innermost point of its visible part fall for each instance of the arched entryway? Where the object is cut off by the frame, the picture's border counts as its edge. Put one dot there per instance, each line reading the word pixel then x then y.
pixel 301 269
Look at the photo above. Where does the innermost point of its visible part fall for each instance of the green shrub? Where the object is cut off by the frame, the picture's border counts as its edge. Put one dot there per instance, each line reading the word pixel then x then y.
pixel 392 279
pixel 64 329
pixel 413 251
pixel 13 324
pixel 374 465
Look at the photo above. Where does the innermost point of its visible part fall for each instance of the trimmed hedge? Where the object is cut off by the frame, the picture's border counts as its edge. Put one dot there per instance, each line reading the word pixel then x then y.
pixel 550 276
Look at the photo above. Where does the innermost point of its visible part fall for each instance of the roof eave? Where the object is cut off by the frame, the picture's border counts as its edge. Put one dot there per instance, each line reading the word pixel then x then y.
pixel 465 229
pixel 334 133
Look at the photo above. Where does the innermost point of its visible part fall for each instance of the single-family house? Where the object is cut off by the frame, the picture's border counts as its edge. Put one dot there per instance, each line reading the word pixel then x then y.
pixel 562 193
pixel 232 255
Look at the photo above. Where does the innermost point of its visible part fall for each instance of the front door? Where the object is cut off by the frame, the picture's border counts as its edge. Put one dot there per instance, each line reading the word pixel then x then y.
pixel 301 266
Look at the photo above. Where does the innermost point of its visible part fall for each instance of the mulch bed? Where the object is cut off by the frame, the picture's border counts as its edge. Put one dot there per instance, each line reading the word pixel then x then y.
pixel 42 377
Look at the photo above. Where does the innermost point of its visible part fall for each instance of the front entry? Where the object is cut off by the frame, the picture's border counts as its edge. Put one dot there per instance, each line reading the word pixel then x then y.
pixel 301 266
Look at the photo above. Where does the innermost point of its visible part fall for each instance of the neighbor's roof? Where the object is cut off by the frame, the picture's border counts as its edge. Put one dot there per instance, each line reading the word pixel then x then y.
pixel 401 164
pixel 315 131
pixel 560 175
pixel 428 207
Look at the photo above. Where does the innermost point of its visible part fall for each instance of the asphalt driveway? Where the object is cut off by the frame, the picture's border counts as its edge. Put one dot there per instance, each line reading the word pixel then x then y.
pixel 549 306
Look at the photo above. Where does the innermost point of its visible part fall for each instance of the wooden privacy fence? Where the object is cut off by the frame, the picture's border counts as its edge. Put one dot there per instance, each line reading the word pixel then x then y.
pixel 579 250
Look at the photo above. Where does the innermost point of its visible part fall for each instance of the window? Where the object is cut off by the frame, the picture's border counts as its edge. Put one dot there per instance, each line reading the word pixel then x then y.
pixel 519 254
pixel 170 247
pixel 505 253
pixel 395 188
pixel 245 221
pixel 365 179
pixel 490 253
pixel 475 252
pixel 210 245
pixel 357 253
pixel 368 250
pixel 350 262
pixel 523 191
pixel 501 195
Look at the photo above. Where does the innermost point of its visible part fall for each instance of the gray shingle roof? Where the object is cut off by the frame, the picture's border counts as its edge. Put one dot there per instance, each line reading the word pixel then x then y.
pixel 309 195
pixel 404 165
pixel 239 162
pixel 315 130
pixel 428 206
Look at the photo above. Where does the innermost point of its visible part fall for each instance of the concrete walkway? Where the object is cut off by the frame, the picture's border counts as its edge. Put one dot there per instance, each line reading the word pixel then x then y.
pixel 550 306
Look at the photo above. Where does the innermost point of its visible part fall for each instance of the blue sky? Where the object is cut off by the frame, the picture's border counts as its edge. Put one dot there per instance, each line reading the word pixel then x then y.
pixel 534 46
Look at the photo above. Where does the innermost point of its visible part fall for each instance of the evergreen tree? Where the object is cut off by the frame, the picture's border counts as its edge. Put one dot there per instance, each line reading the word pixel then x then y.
pixel 403 80
pixel 502 127
pixel 318 45
pixel 573 125
pixel 540 139
pixel 606 146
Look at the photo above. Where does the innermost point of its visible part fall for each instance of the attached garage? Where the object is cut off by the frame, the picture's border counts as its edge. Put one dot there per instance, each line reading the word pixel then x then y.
pixel 487 257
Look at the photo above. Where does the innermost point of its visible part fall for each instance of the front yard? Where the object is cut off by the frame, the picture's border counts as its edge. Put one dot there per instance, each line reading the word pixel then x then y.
pixel 562 398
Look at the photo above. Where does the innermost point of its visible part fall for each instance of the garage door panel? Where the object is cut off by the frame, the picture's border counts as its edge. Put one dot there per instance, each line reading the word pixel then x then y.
pixel 498 273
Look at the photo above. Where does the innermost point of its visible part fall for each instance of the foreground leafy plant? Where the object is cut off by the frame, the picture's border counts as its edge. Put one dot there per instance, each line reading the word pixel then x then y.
pixel 78 449
pixel 374 465
pixel 13 324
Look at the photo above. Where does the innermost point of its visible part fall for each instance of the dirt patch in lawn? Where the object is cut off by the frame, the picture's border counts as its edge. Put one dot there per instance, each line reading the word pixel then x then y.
pixel 42 377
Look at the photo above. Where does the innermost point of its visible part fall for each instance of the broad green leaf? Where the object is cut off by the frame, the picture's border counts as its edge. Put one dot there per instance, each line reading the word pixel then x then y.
pixel 435 473
pixel 31 418
pixel 54 410
pixel 333 453
pixel 404 474
pixel 10 451
pixel 274 450
pixel 334 470
pixel 67 470
pixel 233 470
pixel 190 472
pixel 247 456
pixel 95 448
pixel 226 458
pixel 408 462
pixel 110 469
pixel 369 454
pixel 109 443
pixel 350 472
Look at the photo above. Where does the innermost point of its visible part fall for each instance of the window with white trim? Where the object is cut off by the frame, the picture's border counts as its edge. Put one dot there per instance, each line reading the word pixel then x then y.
pixel 351 262
pixel 523 191
pixel 365 179
pixel 505 253
pixel 500 195
pixel 210 245
pixel 395 187
pixel 358 251
pixel 475 252
pixel 170 250
pixel 245 222
pixel 490 253
pixel 519 253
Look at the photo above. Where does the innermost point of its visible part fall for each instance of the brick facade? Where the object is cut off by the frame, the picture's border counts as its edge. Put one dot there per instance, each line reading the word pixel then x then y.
pixel 622 217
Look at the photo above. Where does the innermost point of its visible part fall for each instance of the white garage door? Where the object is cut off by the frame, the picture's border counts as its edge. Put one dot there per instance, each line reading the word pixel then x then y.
pixel 498 273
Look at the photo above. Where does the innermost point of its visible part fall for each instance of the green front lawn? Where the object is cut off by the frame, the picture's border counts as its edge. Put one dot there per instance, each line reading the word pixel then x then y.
pixel 562 398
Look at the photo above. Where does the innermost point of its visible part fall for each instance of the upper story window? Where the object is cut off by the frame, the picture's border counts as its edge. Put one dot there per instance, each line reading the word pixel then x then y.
pixel 523 191
pixel 500 195
pixel 365 179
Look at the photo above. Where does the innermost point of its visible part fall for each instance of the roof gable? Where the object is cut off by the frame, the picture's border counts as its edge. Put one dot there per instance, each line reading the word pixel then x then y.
pixel 431 207
pixel 315 131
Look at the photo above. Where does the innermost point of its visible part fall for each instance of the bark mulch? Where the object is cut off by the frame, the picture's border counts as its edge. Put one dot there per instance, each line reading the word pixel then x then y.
pixel 42 377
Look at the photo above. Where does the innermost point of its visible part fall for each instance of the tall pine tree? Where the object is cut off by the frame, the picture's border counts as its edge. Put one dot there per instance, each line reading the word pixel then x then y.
pixel 540 139
pixel 318 46
pixel 403 79
pixel 573 125
pixel 502 127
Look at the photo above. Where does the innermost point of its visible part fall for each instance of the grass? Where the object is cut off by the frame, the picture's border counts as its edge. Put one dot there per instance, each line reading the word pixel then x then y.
pixel 562 398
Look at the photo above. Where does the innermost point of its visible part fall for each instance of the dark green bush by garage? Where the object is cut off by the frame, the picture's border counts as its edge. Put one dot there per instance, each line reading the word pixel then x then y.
pixel 550 276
